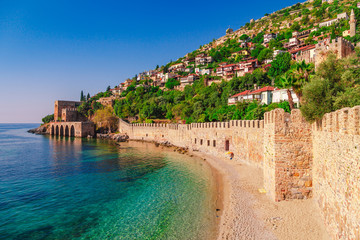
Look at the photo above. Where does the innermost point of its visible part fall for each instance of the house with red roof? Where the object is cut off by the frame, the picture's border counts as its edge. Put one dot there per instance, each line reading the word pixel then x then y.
pixel 262 95
pixel 246 67
pixel 243 96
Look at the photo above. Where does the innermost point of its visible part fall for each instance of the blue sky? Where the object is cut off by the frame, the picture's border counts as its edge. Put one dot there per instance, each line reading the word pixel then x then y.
pixel 52 50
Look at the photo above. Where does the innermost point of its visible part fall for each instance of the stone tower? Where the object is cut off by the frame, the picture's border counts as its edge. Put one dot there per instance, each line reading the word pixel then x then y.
pixel 352 23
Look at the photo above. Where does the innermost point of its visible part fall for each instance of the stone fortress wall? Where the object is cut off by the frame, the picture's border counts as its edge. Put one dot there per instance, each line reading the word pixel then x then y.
pixel 336 171
pixel 298 160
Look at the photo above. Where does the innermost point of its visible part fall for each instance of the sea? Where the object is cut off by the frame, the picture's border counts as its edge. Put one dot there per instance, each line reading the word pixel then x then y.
pixel 72 188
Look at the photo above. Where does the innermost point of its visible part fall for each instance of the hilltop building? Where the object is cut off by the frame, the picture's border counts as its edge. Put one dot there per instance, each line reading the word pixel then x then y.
pixel 352 24
pixel 229 31
pixel 340 46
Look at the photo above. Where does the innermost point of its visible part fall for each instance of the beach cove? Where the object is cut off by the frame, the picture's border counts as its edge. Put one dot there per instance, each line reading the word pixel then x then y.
pixel 76 188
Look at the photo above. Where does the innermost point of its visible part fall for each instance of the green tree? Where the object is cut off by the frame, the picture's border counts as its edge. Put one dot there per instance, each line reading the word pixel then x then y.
pixel 286 81
pixel 48 118
pixel 266 53
pixel 280 65
pixel 105 118
pixel 329 83
pixel 108 88
pixel 82 98
pixel 295 26
pixel 88 97
pixel 301 72
pixel 244 37
pixel 171 83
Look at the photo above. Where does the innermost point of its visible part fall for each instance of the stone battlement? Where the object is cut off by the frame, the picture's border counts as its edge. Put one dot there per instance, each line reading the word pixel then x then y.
pixel 346 121
pixel 299 160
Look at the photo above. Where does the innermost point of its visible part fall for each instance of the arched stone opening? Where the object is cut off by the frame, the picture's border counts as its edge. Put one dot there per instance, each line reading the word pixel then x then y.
pixel 72 131
pixel 66 131
pixel 57 131
pixel 61 131
pixel 52 130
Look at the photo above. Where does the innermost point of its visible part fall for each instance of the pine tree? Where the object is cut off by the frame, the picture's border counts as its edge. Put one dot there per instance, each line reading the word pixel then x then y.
pixel 88 96
pixel 108 88
pixel 82 96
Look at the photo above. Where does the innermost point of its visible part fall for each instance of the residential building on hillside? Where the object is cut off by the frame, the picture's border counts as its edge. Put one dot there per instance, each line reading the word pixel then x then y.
pixel 246 67
pixel 304 34
pixel 188 61
pixel 332 21
pixel 203 59
pixel 240 97
pixel 293 42
pixel 268 37
pixel 106 101
pixel 189 69
pixel 116 91
pixel 203 71
pixel 127 83
pixel 243 52
pixel 229 71
pixel 277 52
pixel 328 23
pixel 262 95
pixel 178 67
pixel 187 80
pixel 343 16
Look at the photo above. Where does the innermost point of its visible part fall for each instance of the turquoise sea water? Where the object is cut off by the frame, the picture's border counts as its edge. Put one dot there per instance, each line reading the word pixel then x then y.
pixel 67 188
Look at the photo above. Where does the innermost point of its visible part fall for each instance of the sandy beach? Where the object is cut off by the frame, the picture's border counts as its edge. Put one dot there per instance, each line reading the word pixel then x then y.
pixel 245 213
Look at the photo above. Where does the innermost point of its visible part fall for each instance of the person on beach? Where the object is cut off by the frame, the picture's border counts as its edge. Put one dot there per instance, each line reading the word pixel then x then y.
pixel 231 154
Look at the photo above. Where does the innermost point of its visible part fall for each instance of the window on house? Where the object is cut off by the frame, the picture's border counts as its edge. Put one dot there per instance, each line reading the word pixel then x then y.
pixel 208 142
pixel 201 141
pixel 195 140
pixel 214 143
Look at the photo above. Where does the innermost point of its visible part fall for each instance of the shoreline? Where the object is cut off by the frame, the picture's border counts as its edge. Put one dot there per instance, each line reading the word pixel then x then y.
pixel 247 214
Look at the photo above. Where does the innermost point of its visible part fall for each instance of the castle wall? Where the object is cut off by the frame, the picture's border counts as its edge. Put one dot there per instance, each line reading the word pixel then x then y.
pixel 336 170
pixel 245 137
pixel 340 46
pixel 299 160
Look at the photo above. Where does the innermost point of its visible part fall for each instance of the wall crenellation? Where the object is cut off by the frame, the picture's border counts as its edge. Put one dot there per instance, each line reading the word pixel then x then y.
pixel 345 121
pixel 299 160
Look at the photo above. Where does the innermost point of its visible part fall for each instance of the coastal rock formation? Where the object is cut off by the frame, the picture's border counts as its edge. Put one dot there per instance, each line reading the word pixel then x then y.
pixel 42 130
pixel 115 137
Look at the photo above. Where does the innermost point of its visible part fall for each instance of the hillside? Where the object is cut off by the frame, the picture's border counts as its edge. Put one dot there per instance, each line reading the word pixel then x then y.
pixel 265 64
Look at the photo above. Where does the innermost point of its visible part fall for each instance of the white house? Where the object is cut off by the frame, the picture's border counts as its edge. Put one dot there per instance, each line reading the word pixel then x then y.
pixel 202 71
pixel 280 95
pixel 268 37
pixel 328 22
pixel 263 95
